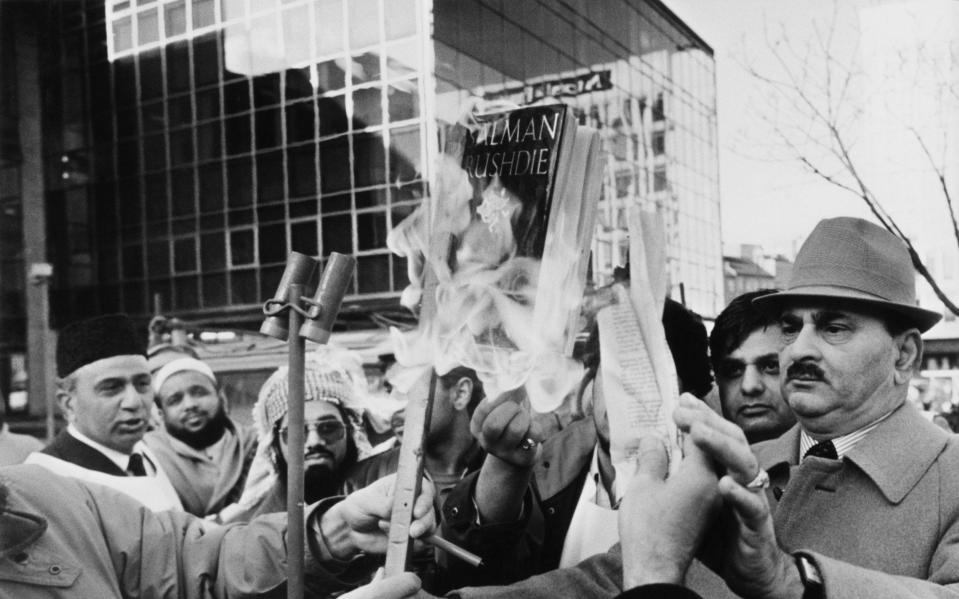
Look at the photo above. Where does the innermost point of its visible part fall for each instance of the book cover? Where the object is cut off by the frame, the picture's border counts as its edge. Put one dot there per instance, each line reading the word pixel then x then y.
pixel 511 160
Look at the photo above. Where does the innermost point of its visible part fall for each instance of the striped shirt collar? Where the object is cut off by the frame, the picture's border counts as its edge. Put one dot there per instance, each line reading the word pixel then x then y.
pixel 844 443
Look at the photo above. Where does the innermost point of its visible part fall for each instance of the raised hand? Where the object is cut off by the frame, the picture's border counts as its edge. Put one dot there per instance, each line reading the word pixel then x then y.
pixel 662 520
pixel 505 428
pixel 753 563
pixel 360 522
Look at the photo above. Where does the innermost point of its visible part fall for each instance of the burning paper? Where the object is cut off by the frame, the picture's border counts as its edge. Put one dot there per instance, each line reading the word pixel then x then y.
pixel 501 246
pixel 639 378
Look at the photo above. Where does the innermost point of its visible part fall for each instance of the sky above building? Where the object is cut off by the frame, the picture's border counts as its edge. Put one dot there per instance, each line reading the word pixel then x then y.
pixel 898 113
pixel 767 196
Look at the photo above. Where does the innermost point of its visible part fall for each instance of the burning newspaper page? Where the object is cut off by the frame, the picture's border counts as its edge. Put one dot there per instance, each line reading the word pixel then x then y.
pixel 501 246
pixel 639 377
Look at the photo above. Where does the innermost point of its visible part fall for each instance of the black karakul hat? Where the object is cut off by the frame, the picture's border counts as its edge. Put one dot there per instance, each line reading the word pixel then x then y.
pixel 81 343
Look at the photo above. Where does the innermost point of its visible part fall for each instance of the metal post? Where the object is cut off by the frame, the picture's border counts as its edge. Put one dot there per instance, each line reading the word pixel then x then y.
pixel 295 443
pixel 43 316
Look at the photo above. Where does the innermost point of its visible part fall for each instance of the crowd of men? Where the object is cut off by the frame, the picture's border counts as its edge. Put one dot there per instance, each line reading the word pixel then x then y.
pixel 805 473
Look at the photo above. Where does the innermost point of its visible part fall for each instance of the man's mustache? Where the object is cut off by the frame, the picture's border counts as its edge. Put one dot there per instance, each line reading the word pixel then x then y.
pixel 319 453
pixel 805 371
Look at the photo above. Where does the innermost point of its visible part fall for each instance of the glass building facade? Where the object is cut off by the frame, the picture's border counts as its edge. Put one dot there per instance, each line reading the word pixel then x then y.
pixel 216 136
pixel 189 145
pixel 637 74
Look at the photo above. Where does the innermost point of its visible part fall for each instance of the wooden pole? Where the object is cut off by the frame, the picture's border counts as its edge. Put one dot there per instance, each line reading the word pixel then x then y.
pixel 295 443
pixel 409 473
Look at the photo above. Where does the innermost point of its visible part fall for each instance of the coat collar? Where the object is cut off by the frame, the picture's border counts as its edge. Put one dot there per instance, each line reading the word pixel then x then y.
pixel 898 452
pixel 894 466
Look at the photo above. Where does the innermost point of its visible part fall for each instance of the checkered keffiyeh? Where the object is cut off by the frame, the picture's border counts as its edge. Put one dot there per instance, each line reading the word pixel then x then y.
pixel 321 383
pixel 327 378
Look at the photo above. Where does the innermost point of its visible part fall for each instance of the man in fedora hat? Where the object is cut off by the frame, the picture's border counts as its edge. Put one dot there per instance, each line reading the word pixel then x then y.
pixel 104 390
pixel 861 497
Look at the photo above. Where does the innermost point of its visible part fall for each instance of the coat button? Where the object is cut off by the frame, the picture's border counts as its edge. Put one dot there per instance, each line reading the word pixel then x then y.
pixel 54 569
pixel 545 464
pixel 21 557
pixel 551 511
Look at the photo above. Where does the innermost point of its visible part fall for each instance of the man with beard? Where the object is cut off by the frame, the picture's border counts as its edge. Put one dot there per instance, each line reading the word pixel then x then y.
pixel 334 439
pixel 744 348
pixel 104 391
pixel 205 454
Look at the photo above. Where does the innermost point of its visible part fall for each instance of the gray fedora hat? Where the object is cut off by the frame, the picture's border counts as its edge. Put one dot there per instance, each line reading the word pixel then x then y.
pixel 856 261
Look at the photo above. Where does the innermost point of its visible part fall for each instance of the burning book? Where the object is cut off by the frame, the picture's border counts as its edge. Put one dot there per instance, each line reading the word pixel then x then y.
pixel 506 233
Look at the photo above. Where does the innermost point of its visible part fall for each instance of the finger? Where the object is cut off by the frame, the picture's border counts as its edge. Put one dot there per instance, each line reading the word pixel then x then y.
pixel 424 501
pixel 517 430
pixel 689 412
pixel 423 526
pixel 423 513
pixel 479 416
pixel 653 459
pixel 498 422
pixel 535 431
pixel 381 486
pixel 734 454
pixel 751 507
pixel 366 503
pixel 402 585
pixel 694 457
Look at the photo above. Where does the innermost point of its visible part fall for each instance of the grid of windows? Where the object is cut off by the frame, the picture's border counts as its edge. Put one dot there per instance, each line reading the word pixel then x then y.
pixel 220 148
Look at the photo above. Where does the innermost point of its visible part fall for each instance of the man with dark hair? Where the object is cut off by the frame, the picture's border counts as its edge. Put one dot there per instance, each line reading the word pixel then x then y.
pixel 571 475
pixel 205 454
pixel 105 393
pixel 744 347
pixel 450 451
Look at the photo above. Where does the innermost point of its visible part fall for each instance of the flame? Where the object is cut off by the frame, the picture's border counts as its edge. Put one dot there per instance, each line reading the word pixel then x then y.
pixel 486 314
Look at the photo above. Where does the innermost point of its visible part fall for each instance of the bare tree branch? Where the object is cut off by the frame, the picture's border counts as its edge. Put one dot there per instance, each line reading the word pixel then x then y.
pixel 820 119
pixel 941 175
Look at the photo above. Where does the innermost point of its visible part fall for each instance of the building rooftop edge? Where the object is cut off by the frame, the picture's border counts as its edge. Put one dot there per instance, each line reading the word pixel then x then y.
pixel 681 24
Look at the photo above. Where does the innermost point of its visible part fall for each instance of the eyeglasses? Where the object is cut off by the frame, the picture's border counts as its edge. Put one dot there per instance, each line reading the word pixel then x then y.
pixel 330 431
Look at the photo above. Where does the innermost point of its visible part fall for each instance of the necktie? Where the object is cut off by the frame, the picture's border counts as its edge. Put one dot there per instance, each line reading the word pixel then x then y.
pixel 135 466
pixel 823 449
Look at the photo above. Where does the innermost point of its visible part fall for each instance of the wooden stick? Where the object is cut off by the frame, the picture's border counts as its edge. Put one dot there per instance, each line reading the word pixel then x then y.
pixel 409 473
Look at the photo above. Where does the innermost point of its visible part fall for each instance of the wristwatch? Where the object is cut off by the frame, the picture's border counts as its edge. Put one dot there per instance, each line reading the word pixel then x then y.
pixel 810 577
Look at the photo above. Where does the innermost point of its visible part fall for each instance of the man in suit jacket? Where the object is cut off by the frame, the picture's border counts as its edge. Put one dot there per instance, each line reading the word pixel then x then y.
pixel 105 393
